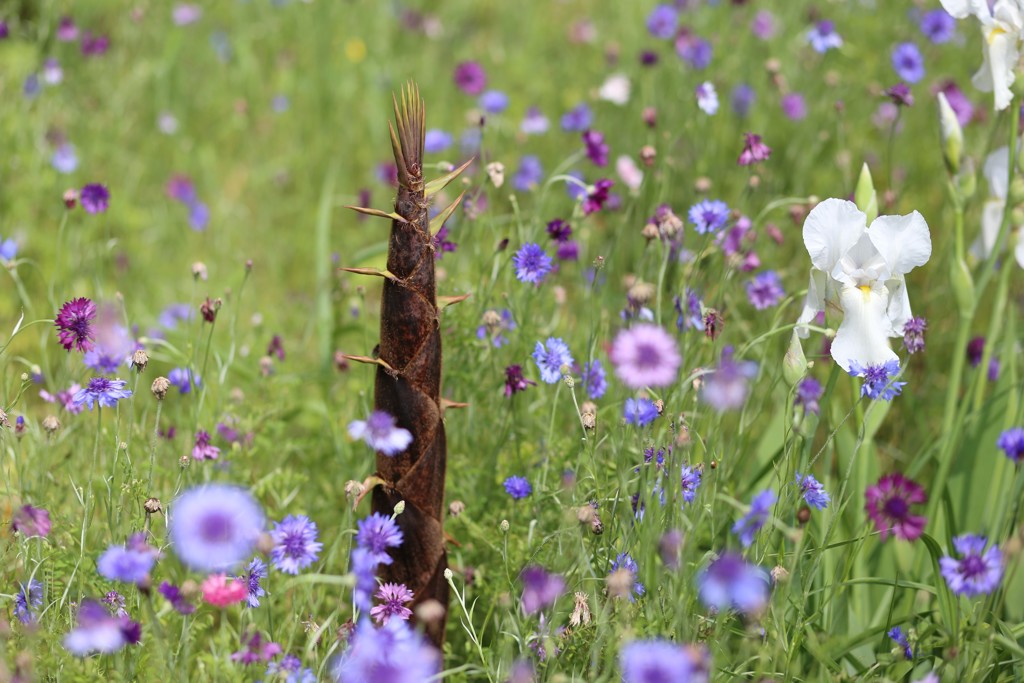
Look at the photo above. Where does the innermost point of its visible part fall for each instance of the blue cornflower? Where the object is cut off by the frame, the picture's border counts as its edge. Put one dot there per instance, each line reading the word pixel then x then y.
pixel 295 544
pixel 662 661
pixel 106 392
pixel 742 99
pixel 290 670
pixel 626 561
pixel 690 481
pixel 184 379
pixel 978 571
pixel 689 312
pixel 577 119
pixel 938 26
pixel 29 596
pixel 661 22
pixel 170 316
pixel 730 582
pixel 748 525
pixel 377 533
pixel 529 175
pixel 813 491
pixel 594 380
pixel 823 37
pixel 709 215
pixel 640 412
pixel 364 567
pixel 8 249
pixel 550 357
pixel 1012 443
pixel 121 563
pixel 908 62
pixel 436 140
pixel 765 290
pixel 518 487
pixel 256 571
pixel 532 263
pixel 198 216
pixel 897 634
pixel 695 51
pixel 494 101
pixel 807 394
pixel 878 379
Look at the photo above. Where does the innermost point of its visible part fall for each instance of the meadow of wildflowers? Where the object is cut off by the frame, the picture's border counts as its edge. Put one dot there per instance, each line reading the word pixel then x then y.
pixel 727 293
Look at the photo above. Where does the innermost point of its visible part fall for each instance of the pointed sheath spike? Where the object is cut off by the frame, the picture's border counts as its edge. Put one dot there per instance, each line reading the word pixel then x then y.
pixel 377 212
pixel 377 272
pixel 435 186
pixel 446 404
pixel 371 361
pixel 446 301
pixel 437 221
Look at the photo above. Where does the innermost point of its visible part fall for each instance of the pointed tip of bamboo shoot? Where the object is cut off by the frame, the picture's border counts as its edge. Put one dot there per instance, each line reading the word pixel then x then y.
pixel 446 301
pixel 378 213
pixel 438 184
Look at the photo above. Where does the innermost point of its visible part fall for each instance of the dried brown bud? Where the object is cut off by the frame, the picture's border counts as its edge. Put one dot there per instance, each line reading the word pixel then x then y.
pixel 160 387
pixel 803 515
pixel 650 117
pixel 70 198
pixel 209 309
pixel 152 506
pixel 580 611
pixel 650 231
pixel 660 406
pixel 340 362
pixel 641 292
pixel 779 574
pixel 456 508
pixel 3 420
pixel 266 366
pixel 702 184
pixel 265 543
pixel 199 270
pixel 496 172
pixel 190 589
pixel 140 359
pixel 648 155
pixel 430 611
pixel 589 420
pixel 51 424
pixel 354 489
pixel 620 583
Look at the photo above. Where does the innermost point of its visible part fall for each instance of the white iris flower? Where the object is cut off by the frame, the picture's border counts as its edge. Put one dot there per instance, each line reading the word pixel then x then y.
pixel 861 270
pixel 1002 28
pixel 996 171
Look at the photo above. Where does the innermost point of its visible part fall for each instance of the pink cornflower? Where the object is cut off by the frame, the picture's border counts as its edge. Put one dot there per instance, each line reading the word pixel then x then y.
pixel 753 150
pixel 31 521
pixel 645 356
pixel 394 597
pixel 889 506
pixel 203 449
pixel 221 591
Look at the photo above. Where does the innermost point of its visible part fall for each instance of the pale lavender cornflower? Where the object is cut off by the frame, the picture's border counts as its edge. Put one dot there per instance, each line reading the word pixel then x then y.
pixel 129 564
pixel 763 25
pixel 695 51
pixel 99 632
pixel 540 588
pixel 727 386
pixel 707 98
pixel 913 334
pixel 8 249
pixel 1012 443
pixel 645 356
pixel 184 379
pixel 435 141
pixel 765 290
pixel 295 544
pixel 794 106
pixel 29 597
pixel 532 263
pixel 376 534
pixel 907 62
pixel 184 14
pixel 394 653
pixel 106 392
pixel 977 572
pixel 748 525
pixel 214 527
pixel 95 198
pixel 254 573
pixel 529 175
pixel 203 449
pixel 74 324
pixel 577 119
pixel 708 216
pixel 742 99
pixel 823 37
pixel 729 582
pixel 493 101
pixel 550 357
pixel 813 491
pixel 65 158
pixel 381 433
pixel 661 22
pixel 807 394
pixel 53 74
pixel 663 661
pixel 518 487
pixel 639 412
pixel 290 670
pixel 888 504
pixel 689 316
pixel 393 597
pixel 879 380
pixel 534 122
pixel 938 26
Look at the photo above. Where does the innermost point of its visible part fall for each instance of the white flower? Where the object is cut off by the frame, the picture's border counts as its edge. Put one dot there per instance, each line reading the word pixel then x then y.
pixel 997 172
pixel 707 97
pixel 861 269
pixel 615 89
pixel 628 171
pixel 1002 28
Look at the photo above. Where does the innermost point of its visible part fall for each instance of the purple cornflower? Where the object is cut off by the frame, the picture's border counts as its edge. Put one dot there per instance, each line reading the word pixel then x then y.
pixel 645 356
pixel 661 22
pixel 394 653
pixel 184 14
pixel 626 561
pixel 94 45
pixel 184 379
pixel 763 25
pixel 31 521
pixel 376 534
pixel 807 394
pixel 594 380
pixel 67 32
pixel 765 290
pixel 900 638
pixel 813 491
pixel 708 215
pixel 381 433
pixel 470 78
pixel 577 119
pixel 888 504
pixel 540 589
pixel 913 334
pixel 435 141
pixel 730 582
pixel 173 314
pixel 639 412
pixel 748 525
pixel 393 597
pixel 64 159
pixel 695 51
pixel 978 571
pixel 276 347
pixel 65 398
pixel 879 381
pixel 364 568
pixel 597 150
pixel 494 102
pixel 29 597
pixel 823 37
pixel 689 318
pixel 255 572
pixel 255 650
pixel 900 95
pixel 514 380
pixel 106 392
pixel 214 527
pixel 532 263
pixel 550 357
pixel 742 99
pixel 907 62
pixel 529 174
pixel 794 106
pixel 726 388
pixel 958 102
pixel 1012 443
pixel 754 150
pixel 127 564
pixel 559 230
pixel 597 197
pixel 662 661
pixel 534 122
pixel 938 26
pixel 74 322
pixel 98 631
pixel 517 487
pixel 290 670
pixel 177 599
pixel 495 325
pixel 568 251
pixel 203 449
pixel 443 245
pixel 690 481
pixel 707 98
pixel 295 544
pixel 95 198
pixel 975 350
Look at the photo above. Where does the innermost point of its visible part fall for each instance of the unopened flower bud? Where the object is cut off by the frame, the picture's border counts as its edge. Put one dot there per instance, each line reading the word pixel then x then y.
pixel 431 611
pixel 152 506
pixel 952 135
pixel 780 574
pixel 448 574
pixel 648 155
pixel 620 583
pixel 794 364
pixel 569 380
pixel 140 359
pixel 504 526
pixel 864 196
pixel 51 424
pixel 265 543
pixel 963 286
pixel 399 507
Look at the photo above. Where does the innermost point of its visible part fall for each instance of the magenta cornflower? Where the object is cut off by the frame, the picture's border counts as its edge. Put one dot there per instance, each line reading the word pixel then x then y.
pixel 31 521
pixel 514 380
pixel 889 506
pixel 978 571
pixel 381 433
pixel 753 150
pixel 74 322
pixel 95 198
pixel 645 356
pixel 900 95
pixel 470 78
pixel 597 196
pixel 203 449
pixel 393 597
pixel 295 544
